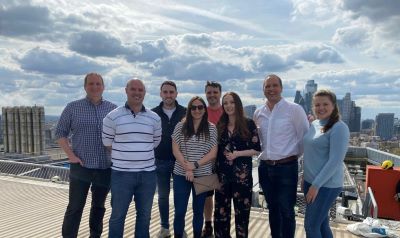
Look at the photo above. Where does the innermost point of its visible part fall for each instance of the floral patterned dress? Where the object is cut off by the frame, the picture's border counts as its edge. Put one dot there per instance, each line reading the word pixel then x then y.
pixel 237 182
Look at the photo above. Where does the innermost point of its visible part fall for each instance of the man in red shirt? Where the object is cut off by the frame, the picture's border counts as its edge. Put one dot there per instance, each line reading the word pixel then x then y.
pixel 214 110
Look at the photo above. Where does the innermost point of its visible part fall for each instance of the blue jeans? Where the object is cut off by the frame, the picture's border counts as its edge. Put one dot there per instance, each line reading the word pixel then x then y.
pixel 316 221
pixel 279 184
pixel 164 174
pixel 125 185
pixel 182 189
pixel 80 180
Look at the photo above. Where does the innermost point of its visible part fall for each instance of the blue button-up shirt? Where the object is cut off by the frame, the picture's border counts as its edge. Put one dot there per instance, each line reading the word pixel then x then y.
pixel 82 122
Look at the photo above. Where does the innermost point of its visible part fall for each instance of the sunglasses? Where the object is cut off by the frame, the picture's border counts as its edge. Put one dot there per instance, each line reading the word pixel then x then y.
pixel 200 107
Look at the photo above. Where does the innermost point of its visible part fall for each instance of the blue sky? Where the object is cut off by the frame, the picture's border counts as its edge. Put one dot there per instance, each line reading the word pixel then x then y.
pixel 47 47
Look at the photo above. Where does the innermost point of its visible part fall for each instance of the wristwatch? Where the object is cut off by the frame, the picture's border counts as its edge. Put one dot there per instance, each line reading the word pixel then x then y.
pixel 196 165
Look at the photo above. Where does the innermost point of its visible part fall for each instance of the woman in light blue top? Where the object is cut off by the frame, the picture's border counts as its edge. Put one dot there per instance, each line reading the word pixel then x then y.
pixel 325 147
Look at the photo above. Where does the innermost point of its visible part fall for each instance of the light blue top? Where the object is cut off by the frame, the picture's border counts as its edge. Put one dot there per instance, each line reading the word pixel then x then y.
pixel 324 154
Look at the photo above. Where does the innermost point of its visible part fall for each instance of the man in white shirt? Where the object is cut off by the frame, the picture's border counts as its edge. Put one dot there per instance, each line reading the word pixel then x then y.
pixel 281 125
pixel 132 132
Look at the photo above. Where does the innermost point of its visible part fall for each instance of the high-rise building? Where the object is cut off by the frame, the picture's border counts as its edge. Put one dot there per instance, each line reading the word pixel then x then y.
pixel 345 105
pixel 249 110
pixel 355 118
pixel 396 129
pixel 300 100
pixel 384 125
pixel 367 124
pixel 309 90
pixel 351 114
pixel 23 129
pixel 1 131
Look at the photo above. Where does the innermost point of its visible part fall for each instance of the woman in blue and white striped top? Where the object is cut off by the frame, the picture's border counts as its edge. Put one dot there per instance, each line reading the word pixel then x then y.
pixel 194 144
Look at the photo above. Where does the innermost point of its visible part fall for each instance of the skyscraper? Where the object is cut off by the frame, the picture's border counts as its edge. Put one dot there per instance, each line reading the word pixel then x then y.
pixel 384 125
pixel 345 105
pixel 23 129
pixel 367 124
pixel 351 114
pixel 300 100
pixel 309 90
pixel 1 131
pixel 396 129
pixel 355 118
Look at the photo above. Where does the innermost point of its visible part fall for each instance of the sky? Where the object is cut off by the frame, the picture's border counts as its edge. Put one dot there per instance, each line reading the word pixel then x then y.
pixel 47 47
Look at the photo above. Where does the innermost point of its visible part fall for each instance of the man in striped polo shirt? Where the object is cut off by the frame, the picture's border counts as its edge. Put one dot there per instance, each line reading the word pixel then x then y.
pixel 132 132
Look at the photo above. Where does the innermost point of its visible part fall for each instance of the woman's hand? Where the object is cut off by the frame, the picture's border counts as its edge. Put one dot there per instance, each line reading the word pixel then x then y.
pixel 311 194
pixel 189 176
pixel 231 155
pixel 188 166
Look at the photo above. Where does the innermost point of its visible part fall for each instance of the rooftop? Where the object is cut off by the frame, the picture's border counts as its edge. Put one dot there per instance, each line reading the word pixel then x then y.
pixel 32 208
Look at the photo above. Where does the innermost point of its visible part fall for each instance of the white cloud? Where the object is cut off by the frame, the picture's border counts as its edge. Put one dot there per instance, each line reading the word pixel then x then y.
pixel 351 36
pixel 24 20
pixel 203 40
pixel 95 44
pixel 317 54
pixel 48 46
pixel 50 62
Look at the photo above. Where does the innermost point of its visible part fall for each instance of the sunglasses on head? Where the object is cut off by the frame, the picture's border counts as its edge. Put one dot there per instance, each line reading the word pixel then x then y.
pixel 200 107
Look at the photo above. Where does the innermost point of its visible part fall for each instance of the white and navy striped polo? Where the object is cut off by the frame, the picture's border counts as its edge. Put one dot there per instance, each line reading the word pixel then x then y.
pixel 132 137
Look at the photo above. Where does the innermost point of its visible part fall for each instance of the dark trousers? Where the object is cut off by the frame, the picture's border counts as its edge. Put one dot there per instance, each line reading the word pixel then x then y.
pixel 279 184
pixel 164 173
pixel 240 192
pixel 80 180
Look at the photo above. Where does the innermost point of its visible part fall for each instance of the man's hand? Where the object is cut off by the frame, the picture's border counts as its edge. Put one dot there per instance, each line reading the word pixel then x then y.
pixel 310 118
pixel 75 160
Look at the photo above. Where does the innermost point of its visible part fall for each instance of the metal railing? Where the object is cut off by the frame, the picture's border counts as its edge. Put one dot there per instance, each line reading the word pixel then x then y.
pixel 370 207
pixel 35 171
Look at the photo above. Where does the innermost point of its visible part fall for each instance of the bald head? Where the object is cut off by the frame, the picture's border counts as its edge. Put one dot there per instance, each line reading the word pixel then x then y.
pixel 135 92
pixel 135 81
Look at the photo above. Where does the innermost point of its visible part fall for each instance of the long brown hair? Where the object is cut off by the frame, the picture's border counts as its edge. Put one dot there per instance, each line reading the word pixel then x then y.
pixel 335 116
pixel 188 126
pixel 240 122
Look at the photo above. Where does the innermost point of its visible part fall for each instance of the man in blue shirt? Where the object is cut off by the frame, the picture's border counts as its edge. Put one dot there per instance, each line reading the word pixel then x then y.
pixel 81 122
pixel 170 112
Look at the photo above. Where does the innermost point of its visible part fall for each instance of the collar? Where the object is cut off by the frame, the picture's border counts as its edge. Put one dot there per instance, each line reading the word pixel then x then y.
pixel 323 122
pixel 162 104
pixel 278 104
pixel 88 100
pixel 143 109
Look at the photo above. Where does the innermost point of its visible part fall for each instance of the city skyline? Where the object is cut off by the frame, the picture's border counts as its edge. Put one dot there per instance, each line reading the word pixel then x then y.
pixel 346 46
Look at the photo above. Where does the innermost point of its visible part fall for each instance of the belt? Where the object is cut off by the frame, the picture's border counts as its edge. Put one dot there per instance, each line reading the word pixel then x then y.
pixel 280 161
